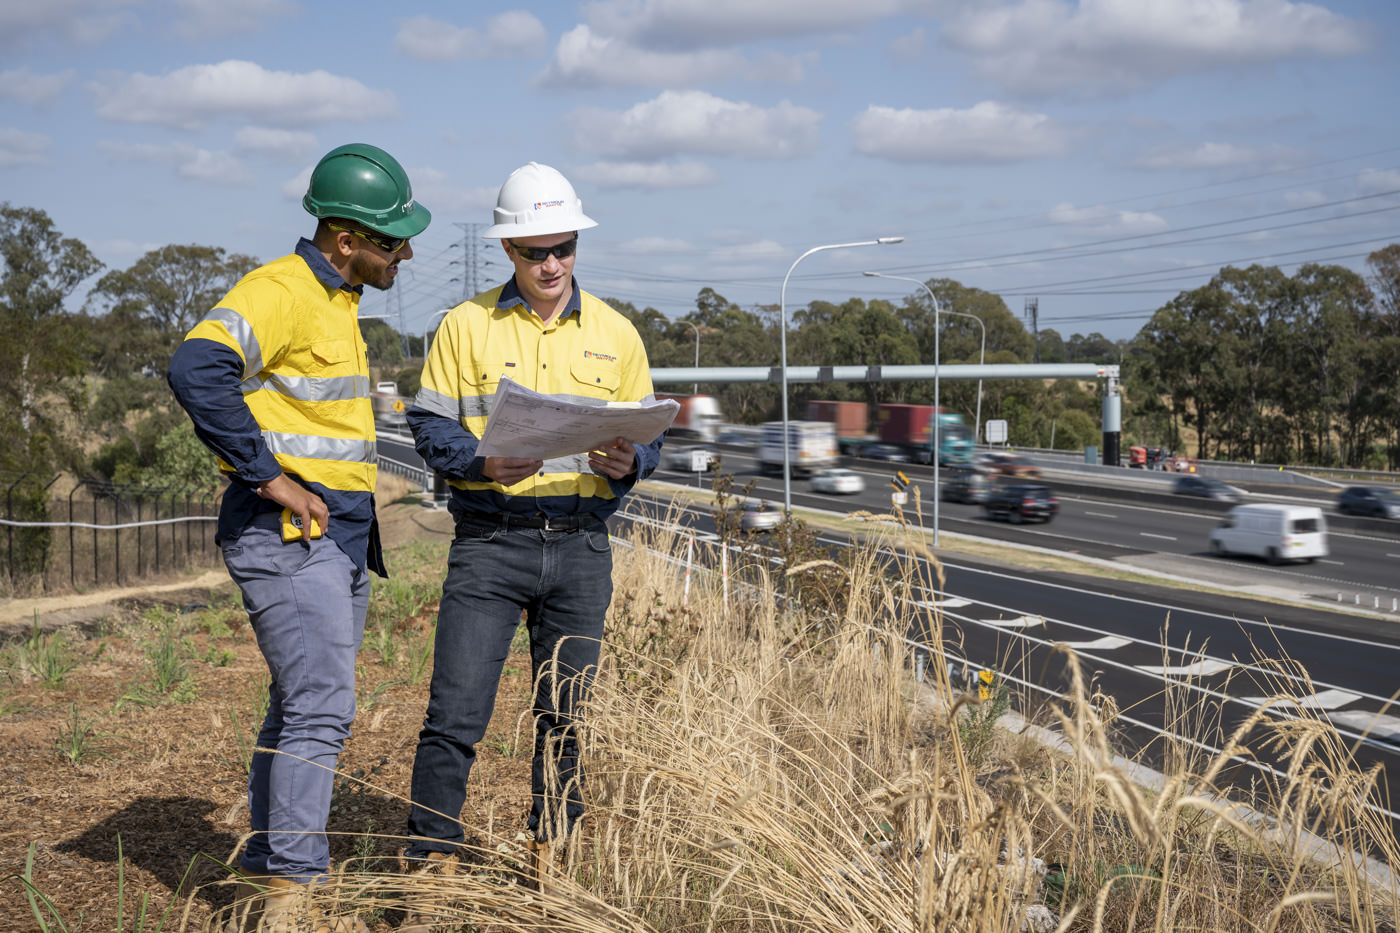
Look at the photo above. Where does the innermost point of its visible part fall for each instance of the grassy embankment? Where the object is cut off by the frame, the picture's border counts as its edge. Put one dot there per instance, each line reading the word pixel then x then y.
pixel 756 767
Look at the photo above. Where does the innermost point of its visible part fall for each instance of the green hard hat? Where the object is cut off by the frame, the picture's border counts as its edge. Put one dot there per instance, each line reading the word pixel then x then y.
pixel 365 184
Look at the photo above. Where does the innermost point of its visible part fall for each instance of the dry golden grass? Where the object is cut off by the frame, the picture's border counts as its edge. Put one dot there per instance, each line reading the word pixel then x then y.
pixel 751 767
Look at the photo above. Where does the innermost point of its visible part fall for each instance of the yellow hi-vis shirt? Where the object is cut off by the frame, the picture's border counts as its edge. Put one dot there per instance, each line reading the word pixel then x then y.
pixel 305 373
pixel 589 351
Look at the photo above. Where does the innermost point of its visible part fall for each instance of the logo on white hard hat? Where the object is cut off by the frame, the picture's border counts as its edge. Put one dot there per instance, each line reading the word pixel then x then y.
pixel 541 205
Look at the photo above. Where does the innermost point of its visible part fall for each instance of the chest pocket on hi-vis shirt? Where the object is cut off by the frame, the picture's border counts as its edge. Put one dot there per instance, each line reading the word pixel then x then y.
pixel 327 355
pixel 596 378
pixel 479 384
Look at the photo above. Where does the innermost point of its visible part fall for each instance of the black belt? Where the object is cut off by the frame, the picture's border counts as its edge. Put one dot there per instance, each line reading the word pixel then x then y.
pixel 547 522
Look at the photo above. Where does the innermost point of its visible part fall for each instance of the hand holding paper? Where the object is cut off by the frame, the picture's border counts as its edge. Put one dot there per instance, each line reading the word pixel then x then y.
pixel 527 424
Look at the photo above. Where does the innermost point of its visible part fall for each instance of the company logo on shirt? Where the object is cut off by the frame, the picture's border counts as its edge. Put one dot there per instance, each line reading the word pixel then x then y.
pixel 595 355
pixel 540 205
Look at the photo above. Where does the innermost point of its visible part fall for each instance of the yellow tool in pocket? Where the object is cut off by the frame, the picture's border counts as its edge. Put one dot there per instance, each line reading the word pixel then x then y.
pixel 291 526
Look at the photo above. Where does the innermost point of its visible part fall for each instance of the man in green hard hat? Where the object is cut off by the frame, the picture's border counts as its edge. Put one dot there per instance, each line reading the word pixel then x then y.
pixel 276 382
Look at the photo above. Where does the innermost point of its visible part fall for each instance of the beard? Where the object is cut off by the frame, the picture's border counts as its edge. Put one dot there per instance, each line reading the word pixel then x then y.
pixel 371 273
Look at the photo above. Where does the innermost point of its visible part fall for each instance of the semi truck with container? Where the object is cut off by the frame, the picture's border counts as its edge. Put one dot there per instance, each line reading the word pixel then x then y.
pixel 912 427
pixel 852 421
pixel 811 447
pixel 699 418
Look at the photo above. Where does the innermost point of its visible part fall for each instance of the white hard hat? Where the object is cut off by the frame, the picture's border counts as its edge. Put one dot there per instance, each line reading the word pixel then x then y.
pixel 536 200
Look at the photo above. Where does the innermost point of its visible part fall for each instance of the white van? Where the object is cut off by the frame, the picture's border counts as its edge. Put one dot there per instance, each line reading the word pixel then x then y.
pixel 1274 532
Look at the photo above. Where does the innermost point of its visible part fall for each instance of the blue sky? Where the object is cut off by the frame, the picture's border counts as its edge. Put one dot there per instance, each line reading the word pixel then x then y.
pixel 1100 156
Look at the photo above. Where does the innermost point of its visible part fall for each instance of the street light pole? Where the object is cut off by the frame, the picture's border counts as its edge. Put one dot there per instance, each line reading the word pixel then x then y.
pixel 937 421
pixel 695 388
pixel 429 327
pixel 977 423
pixel 782 331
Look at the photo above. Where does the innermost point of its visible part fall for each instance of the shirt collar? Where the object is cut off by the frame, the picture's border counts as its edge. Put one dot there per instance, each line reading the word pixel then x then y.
pixel 322 269
pixel 510 297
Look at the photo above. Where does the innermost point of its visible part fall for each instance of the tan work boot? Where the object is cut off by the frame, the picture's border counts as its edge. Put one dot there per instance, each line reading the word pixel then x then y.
pixel 541 864
pixel 273 904
pixel 418 918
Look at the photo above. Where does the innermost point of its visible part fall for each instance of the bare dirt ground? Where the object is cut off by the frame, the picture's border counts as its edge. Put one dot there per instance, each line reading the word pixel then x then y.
pixel 163 776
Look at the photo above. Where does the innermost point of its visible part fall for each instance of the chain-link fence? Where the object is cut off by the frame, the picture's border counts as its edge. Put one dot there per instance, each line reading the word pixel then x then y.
pixel 99 534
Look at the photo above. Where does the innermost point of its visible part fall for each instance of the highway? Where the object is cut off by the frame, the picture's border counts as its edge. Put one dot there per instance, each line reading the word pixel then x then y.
pixel 1231 632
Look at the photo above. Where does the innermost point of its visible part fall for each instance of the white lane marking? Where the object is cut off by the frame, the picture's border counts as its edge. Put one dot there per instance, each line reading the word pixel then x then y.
pixel 1393 555
pixel 1018 622
pixel 1101 514
pixel 1327 699
pixel 1376 726
pixel 1107 643
pixel 1199 669
pixel 1148 534
pixel 952 602
pixel 1335 563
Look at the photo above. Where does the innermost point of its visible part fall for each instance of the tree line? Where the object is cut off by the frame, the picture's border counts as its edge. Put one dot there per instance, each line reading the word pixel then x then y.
pixel 1257 364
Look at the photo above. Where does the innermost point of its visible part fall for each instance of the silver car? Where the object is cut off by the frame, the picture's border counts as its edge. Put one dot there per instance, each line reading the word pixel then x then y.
pixel 838 480
pixel 757 515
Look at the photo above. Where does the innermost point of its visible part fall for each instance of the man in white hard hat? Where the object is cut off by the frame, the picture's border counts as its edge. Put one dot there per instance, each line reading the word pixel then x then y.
pixel 530 534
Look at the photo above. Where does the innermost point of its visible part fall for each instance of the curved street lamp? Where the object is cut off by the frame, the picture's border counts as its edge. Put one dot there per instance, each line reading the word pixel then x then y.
pixel 782 330
pixel 977 421
pixel 937 423
pixel 429 327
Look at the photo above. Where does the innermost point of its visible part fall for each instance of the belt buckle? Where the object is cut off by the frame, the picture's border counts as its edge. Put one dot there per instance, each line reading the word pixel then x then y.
pixel 556 524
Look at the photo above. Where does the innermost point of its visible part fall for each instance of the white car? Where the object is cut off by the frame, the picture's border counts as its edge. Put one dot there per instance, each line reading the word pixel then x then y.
pixel 687 459
pixel 839 481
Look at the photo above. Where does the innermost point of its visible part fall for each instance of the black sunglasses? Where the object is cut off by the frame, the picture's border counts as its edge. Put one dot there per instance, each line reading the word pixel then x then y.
pixel 541 253
pixel 388 244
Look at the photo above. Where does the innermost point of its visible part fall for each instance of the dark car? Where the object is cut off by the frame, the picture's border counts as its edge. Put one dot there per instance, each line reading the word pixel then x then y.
pixel 964 484
pixel 1369 500
pixel 1205 487
pixel 887 452
pixel 1018 502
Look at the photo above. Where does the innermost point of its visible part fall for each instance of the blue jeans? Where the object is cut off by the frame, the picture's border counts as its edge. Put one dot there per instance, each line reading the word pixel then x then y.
pixel 562 582
pixel 307 607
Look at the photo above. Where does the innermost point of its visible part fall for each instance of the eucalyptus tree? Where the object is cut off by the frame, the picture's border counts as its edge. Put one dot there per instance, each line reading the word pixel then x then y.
pixel 44 350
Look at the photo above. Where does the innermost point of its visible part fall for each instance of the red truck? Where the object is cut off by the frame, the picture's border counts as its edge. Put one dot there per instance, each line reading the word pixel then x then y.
pixel 850 418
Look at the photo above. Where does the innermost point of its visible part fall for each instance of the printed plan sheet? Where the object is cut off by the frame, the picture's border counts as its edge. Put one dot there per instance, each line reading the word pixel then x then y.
pixel 524 423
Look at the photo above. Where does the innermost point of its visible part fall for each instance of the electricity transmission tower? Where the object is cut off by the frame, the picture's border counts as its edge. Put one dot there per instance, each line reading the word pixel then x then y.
pixel 1033 315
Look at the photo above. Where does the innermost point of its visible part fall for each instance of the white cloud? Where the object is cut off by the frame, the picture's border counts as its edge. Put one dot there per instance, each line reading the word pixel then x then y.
pixel 216 167
pixel 986 132
pixel 697 122
pixel 201 19
pixel 1210 155
pixel 585 58
pixel 1310 198
pixel 697 23
pixel 295 187
pixel 1100 219
pixel 911 46
pixel 758 252
pixel 190 96
pixel 513 33
pixel 435 191
pixel 1375 180
pixel 280 144
pixel 1040 46
pixel 18 147
pixel 686 174
pixel 34 89
pixel 82 22
pixel 655 246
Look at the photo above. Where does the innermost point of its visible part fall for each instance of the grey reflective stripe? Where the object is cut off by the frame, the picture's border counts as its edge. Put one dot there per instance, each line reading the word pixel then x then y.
pixel 312 447
pixel 242 333
pixel 436 403
pixel 311 388
pixel 478 406
pixel 573 463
